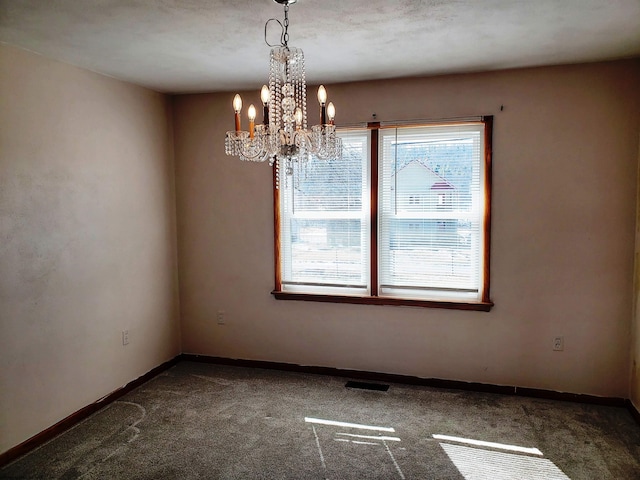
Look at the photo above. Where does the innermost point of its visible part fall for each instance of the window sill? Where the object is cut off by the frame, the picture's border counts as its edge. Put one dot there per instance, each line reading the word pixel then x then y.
pixel 362 300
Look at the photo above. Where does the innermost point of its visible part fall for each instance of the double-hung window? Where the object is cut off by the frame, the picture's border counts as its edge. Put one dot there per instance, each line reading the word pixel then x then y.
pixel 403 218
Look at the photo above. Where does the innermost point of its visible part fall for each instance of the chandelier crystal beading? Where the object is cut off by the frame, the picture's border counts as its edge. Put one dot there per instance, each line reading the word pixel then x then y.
pixel 283 138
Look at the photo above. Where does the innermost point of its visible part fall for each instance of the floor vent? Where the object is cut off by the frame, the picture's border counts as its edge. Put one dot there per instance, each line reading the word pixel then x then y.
pixel 367 386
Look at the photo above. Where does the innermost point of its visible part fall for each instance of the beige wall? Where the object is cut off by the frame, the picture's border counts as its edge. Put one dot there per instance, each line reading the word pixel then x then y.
pixel 87 239
pixel 565 162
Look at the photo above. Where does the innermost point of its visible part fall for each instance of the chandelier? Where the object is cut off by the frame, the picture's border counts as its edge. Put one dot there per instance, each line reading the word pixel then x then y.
pixel 283 138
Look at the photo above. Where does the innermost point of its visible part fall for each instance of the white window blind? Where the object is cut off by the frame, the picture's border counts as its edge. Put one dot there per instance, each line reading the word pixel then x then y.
pixel 324 222
pixel 431 214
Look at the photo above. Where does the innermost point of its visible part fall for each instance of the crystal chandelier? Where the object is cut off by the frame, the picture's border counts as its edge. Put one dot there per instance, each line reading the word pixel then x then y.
pixel 283 137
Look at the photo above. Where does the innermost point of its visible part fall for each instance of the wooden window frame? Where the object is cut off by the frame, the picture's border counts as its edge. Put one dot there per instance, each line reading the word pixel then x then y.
pixel 484 304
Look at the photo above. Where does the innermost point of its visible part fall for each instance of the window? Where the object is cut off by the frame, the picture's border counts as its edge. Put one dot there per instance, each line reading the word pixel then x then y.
pixel 403 218
pixel 324 227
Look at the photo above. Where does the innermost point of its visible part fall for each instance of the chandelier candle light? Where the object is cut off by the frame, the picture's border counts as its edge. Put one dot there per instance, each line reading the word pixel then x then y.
pixel 283 137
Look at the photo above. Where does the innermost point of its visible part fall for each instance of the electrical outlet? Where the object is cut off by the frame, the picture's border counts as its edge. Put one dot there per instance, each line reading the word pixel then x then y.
pixel 220 317
pixel 125 337
pixel 558 344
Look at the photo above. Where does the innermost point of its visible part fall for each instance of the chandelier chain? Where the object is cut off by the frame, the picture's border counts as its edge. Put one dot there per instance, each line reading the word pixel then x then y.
pixel 286 25
pixel 284 34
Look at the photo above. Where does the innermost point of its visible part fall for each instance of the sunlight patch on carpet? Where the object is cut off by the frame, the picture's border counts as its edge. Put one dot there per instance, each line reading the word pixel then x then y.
pixel 480 443
pixel 334 423
pixel 365 459
pixel 478 462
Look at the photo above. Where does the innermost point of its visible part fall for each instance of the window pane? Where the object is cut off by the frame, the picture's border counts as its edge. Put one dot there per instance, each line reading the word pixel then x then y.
pixel 431 210
pixel 332 185
pixel 327 251
pixel 325 222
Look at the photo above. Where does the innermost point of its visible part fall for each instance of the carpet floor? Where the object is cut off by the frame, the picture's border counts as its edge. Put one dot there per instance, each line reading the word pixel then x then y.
pixel 203 421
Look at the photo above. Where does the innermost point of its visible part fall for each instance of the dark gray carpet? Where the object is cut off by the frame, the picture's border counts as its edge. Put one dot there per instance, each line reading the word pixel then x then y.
pixel 200 421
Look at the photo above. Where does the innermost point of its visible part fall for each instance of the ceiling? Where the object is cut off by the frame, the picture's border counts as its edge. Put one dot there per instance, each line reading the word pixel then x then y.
pixel 182 46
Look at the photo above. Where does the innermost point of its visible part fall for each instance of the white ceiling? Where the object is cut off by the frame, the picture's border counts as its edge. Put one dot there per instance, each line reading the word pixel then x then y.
pixel 182 46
